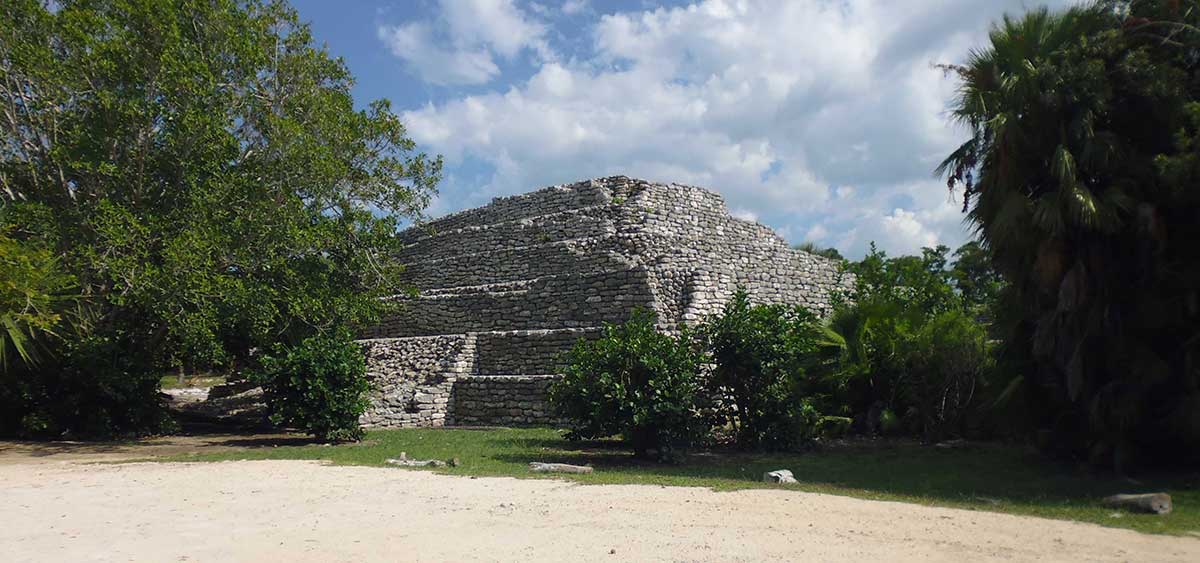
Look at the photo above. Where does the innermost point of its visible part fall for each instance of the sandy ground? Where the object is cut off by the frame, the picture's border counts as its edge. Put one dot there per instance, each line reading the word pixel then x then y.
pixel 304 511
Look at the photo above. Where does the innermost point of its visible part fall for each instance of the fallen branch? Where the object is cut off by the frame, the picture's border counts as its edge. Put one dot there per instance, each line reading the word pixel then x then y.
pixel 1155 503
pixel 538 467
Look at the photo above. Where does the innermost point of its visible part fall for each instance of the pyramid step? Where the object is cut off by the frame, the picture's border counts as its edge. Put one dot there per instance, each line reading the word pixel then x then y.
pixel 511 263
pixel 508 400
pixel 572 223
pixel 519 352
pixel 567 301
pixel 533 204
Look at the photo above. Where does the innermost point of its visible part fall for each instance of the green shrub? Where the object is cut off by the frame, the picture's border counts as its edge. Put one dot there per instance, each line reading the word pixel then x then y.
pixel 33 292
pixel 769 377
pixel 916 351
pixel 948 359
pixel 83 387
pixel 59 377
pixel 319 386
pixel 636 382
pixel 834 426
pixel 889 423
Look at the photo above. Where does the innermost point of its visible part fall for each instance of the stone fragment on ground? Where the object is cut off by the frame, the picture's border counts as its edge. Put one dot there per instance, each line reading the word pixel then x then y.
pixel 1153 503
pixel 403 461
pixel 781 476
pixel 538 467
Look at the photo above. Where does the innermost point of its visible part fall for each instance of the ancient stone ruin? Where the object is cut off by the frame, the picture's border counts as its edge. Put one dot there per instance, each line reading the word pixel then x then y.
pixel 506 288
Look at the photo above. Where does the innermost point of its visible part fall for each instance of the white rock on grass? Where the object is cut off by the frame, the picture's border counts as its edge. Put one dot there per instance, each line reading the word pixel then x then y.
pixel 782 476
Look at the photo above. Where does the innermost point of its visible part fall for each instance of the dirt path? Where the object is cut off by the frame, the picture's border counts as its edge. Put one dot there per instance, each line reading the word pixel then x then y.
pixel 306 511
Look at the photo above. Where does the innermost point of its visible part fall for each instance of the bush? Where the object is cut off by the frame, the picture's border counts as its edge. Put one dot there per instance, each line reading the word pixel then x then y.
pixel 636 382
pixel 84 387
pixel 33 292
pixel 769 377
pixel 833 426
pixel 319 386
pixel 915 352
pixel 948 359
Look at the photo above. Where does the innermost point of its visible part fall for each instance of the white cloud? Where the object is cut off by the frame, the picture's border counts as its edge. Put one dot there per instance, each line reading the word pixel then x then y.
pixel 572 7
pixel 458 47
pixel 498 24
pixel 905 232
pixel 816 233
pixel 413 43
pixel 818 118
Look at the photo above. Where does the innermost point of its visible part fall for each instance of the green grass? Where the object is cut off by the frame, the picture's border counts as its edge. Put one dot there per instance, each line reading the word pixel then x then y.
pixel 988 477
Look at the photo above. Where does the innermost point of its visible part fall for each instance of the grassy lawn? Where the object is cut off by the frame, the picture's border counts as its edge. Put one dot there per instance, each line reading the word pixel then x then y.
pixel 978 477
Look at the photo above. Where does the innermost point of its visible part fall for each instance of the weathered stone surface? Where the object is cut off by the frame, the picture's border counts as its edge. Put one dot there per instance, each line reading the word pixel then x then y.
pixel 507 288
pixel 781 476
pixel 1154 503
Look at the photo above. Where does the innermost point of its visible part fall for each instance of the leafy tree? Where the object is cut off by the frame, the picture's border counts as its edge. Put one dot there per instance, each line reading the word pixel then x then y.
pixel 318 386
pixel 636 382
pixel 201 170
pixel 911 354
pixel 33 292
pixel 1080 177
pixel 976 280
pixel 947 362
pixel 770 374
pixel 918 283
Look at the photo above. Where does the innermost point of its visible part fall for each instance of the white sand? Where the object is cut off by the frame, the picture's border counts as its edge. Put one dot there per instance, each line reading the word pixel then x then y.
pixel 306 511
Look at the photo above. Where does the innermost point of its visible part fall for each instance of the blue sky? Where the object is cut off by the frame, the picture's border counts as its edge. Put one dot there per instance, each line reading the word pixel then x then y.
pixel 820 118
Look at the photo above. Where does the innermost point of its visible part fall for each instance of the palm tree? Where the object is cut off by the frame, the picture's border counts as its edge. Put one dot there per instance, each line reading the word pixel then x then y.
pixel 1071 114
pixel 33 295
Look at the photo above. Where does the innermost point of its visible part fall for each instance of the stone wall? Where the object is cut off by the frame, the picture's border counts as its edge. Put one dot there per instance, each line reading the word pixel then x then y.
pixel 511 400
pixel 526 351
pixel 412 379
pixel 507 288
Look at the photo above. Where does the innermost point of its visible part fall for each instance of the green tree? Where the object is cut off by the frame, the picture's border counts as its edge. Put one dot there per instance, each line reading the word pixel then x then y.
pixel 918 283
pixel 202 171
pixel 911 353
pixel 636 382
pixel 771 374
pixel 977 281
pixel 1080 178
pixel 318 386
pixel 33 294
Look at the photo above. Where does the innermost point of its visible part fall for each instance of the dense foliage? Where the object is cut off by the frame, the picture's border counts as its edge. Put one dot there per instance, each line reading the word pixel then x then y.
pixel 903 353
pixel 318 386
pixel 771 371
pixel 201 174
pixel 636 382
pixel 33 294
pixel 1080 176
pixel 915 354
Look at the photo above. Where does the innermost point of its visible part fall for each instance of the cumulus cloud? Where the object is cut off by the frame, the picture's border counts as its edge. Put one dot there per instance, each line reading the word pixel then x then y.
pixel 571 7
pixel 413 42
pixel 823 119
pixel 459 47
pixel 497 24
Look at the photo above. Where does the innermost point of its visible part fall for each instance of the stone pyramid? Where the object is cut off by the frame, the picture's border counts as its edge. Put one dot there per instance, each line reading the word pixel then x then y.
pixel 506 288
